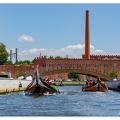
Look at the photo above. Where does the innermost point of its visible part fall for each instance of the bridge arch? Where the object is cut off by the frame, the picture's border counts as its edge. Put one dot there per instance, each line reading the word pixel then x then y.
pixel 103 77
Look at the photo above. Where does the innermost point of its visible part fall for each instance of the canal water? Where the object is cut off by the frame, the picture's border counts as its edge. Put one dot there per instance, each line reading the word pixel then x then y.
pixel 70 102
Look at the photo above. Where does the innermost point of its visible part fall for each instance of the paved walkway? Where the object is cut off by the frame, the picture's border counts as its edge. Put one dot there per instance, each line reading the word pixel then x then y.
pixel 12 85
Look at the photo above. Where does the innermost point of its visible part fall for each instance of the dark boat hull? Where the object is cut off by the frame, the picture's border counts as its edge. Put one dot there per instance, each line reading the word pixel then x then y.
pixel 113 85
pixel 40 87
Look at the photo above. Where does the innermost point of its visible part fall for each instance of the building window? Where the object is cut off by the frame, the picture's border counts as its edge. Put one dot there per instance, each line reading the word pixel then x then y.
pixel 114 65
pixel 50 64
pixel 69 64
pixel 87 64
pixel 43 65
pixel 60 64
pixel 97 65
pixel 9 73
pixel 78 65
pixel 105 71
pixel 97 71
pixel 105 65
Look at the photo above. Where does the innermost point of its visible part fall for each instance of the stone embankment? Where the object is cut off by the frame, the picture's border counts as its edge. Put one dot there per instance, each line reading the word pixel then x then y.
pixel 13 85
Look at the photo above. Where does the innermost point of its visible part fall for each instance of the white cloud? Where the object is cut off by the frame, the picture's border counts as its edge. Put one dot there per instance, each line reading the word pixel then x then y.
pixel 73 51
pixel 25 38
pixel 73 47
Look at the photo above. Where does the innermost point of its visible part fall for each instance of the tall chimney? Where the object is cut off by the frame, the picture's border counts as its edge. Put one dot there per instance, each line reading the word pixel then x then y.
pixel 87 36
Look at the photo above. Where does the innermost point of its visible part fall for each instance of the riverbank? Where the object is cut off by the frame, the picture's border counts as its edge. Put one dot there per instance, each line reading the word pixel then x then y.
pixel 12 85
pixel 72 83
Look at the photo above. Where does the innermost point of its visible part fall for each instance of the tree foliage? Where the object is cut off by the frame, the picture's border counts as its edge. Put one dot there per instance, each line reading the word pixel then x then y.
pixel 73 76
pixel 113 74
pixel 21 73
pixel 24 62
pixel 8 62
pixel 3 54
pixel 51 57
pixel 57 57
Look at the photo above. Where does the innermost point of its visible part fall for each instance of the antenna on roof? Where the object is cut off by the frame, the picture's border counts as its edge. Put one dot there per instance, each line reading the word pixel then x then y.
pixel 15 55
pixel 66 56
pixel 40 55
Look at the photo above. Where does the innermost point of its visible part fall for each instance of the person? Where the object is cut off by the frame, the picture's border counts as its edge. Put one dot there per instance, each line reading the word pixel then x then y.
pixel 20 85
pixel 94 82
pixel 102 83
pixel 86 83
pixel 90 83
pixel 50 83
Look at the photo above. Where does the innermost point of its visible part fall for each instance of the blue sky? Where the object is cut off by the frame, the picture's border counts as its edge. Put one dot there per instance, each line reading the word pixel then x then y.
pixel 59 29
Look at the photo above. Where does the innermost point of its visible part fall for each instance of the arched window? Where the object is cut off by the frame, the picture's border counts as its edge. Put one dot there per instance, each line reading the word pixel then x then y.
pixel 105 71
pixel 114 65
pixel 97 71
pixel 87 64
pixel 105 65
pixel 69 64
pixel 60 64
pixel 97 65
pixel 50 64
pixel 43 65
pixel 9 73
pixel 78 65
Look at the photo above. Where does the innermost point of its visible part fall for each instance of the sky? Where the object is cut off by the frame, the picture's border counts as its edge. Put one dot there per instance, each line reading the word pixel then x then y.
pixel 59 29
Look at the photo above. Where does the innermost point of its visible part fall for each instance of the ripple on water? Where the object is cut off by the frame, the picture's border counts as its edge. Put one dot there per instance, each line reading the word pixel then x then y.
pixel 70 102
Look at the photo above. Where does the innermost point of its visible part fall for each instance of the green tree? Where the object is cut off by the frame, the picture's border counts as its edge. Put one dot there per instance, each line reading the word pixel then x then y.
pixel 3 54
pixel 26 62
pixel 9 62
pixel 57 57
pixel 73 76
pixel 19 62
pixel 51 57
pixel 32 62
pixel 21 73
pixel 113 74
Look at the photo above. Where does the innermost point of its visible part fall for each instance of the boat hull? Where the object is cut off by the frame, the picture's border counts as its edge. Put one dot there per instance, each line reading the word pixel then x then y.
pixel 113 85
pixel 95 88
pixel 41 87
pixel 38 86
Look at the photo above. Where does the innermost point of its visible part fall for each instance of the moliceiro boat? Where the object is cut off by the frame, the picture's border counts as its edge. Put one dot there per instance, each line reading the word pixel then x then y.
pixel 95 86
pixel 38 86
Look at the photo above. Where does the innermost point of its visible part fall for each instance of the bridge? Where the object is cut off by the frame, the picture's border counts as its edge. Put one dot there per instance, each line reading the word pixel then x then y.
pixel 103 77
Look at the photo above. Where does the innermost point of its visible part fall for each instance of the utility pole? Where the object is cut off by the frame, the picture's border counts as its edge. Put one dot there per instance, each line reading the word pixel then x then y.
pixel 15 54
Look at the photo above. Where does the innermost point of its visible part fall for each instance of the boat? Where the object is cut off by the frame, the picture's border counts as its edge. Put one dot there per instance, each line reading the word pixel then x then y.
pixel 38 86
pixel 113 85
pixel 95 86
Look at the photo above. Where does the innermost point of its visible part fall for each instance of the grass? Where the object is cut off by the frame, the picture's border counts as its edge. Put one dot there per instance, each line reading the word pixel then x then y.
pixel 73 83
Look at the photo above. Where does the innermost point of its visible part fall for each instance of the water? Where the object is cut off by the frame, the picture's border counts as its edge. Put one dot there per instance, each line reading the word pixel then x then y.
pixel 70 102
